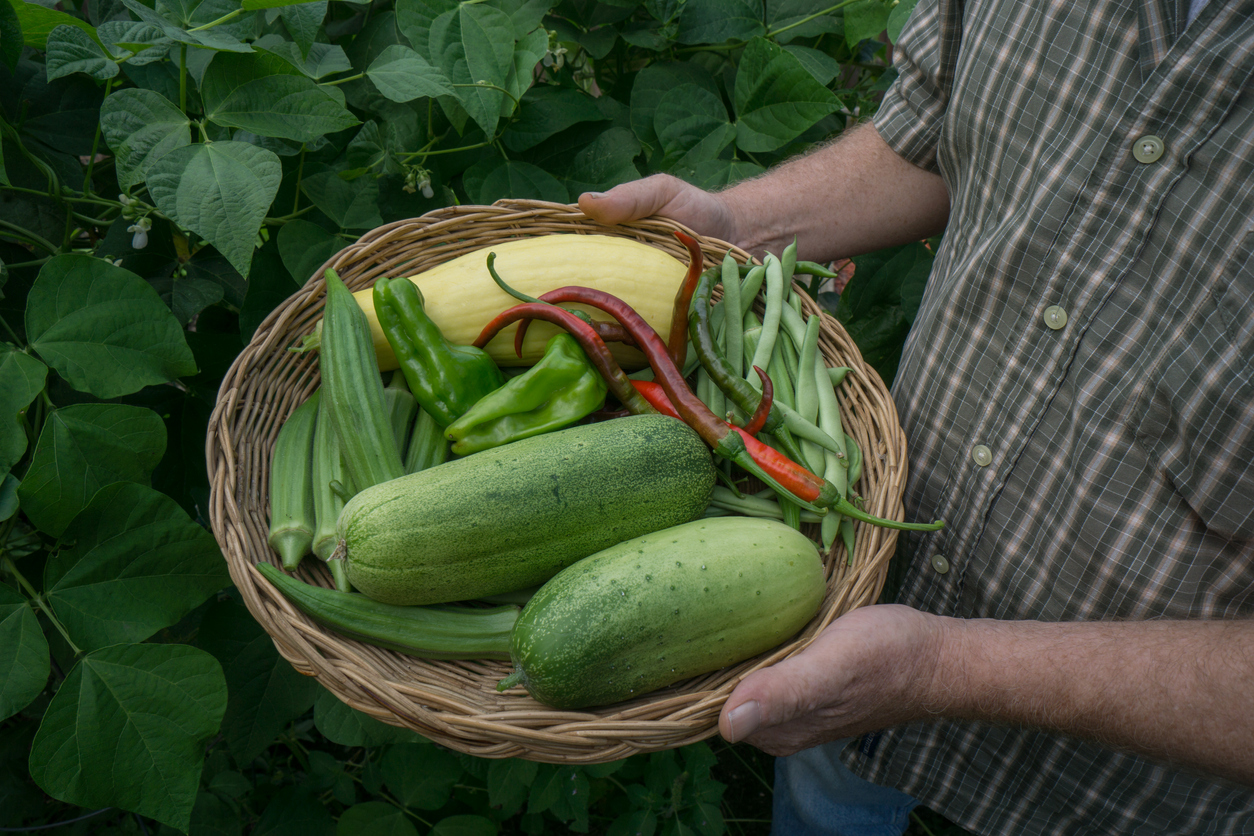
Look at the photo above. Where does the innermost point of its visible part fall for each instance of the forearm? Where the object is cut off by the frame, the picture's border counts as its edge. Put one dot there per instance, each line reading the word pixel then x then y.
pixel 1177 691
pixel 851 196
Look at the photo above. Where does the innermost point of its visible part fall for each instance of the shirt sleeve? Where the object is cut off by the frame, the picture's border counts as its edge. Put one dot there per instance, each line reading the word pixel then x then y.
pixel 913 110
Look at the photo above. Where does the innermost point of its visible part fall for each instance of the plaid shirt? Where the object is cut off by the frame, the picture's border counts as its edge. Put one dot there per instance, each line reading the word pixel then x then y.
pixel 1077 390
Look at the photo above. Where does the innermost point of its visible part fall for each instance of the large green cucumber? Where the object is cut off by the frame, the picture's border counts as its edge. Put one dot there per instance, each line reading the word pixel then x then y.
pixel 515 515
pixel 662 607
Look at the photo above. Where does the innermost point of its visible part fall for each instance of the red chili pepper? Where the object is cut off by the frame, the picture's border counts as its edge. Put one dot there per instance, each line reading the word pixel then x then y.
pixel 609 332
pixel 758 419
pixel 598 353
pixel 677 345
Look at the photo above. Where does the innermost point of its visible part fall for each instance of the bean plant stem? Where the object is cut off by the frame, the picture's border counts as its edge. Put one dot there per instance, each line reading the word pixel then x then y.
pixel 39 601
pixel 775 32
pixel 95 144
pixel 37 240
pixel 183 77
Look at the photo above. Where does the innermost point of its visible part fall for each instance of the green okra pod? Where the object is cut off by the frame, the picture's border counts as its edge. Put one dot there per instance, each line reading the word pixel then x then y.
pixel 292 519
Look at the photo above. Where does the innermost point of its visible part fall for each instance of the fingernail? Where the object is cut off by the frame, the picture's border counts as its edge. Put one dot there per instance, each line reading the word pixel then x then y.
pixel 594 195
pixel 744 720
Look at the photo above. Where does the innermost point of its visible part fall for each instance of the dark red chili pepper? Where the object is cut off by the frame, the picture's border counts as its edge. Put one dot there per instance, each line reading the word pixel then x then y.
pixel 758 419
pixel 598 353
pixel 677 344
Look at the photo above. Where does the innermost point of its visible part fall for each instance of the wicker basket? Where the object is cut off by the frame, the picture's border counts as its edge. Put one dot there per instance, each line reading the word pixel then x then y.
pixel 455 703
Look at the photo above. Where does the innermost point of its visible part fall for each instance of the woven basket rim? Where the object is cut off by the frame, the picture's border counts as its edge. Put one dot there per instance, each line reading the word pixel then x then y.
pixel 455 703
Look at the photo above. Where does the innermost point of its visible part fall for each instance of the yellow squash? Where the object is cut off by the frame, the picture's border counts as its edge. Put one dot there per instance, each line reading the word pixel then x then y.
pixel 460 296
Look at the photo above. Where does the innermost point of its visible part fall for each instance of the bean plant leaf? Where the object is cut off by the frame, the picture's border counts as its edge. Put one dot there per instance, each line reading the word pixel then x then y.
pixel 128 728
pixel 24 660
pixel 692 126
pixel 604 163
pixel 865 19
pixel 138 564
pixel 420 775
pixel 10 37
pixel 317 61
pixel 176 27
pixel 822 66
pixel 897 18
pixel 403 75
pixel 509 782
pixel 549 110
pixel 36 22
pixel 651 84
pixel 303 21
pixel 104 329
pixel 143 42
pixel 464 824
pixel 220 191
pixel 352 205
pixel 265 693
pixel 473 44
pixel 140 127
pixel 344 725
pixel 414 17
pixel 254 5
pixel 82 448
pixel 879 304
pixel 793 19
pixel 374 818
pixel 21 380
pixel 497 178
pixel 716 21
pixel 303 246
pixel 284 105
pixel 295 811
pixel 71 50
pixel 776 98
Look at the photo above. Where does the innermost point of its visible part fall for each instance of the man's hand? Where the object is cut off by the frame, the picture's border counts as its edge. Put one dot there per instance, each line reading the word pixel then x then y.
pixel 1172 691
pixel 661 194
pixel 870 669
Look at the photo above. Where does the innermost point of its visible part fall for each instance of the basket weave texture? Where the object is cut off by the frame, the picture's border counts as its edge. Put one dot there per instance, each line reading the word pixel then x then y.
pixel 456 704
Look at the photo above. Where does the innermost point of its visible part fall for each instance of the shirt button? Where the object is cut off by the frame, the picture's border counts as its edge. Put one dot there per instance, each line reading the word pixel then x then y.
pixel 981 455
pixel 940 564
pixel 1147 149
pixel 1055 317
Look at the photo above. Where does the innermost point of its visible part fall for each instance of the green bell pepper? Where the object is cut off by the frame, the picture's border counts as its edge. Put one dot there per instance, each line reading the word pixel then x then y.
pixel 446 379
pixel 557 391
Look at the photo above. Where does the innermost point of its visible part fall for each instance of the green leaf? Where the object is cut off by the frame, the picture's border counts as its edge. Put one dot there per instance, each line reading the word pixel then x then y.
pixel 897 18
pixel 651 84
pixel 878 305
pixel 295 811
pixel 290 106
pixel 21 380
pixel 713 175
pixel 403 75
pixel 10 38
pixel 81 449
pixel 140 127
pixel 221 191
pixel 473 44
pixel 142 42
pixel 253 5
pixel 776 98
pixel 303 22
pixel 127 729
pixel 691 125
pixel 548 110
pixel 177 20
pixel 24 660
pixel 865 19
pixel 496 178
pixel 36 22
pixel 265 693
pixel 346 726
pixel 414 17
pixel 509 782
pixel 465 825
pixel 8 496
pixel 303 247
pixel 104 329
pixel 316 61
pixel 138 564
pixel 607 161
pixel 822 66
pixel 531 47
pixel 374 818
pixel 71 50
pixel 716 21
pixel 420 775
pixel 352 205
pixel 796 19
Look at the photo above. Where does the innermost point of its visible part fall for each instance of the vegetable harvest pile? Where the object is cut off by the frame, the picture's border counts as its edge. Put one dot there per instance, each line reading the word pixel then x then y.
pixel 613 506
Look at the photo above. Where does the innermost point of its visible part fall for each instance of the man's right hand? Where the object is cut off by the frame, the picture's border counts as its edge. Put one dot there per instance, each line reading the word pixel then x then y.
pixel 661 194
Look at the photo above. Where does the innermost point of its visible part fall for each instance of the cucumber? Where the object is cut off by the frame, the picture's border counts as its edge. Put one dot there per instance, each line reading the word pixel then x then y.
pixel 513 516
pixel 662 607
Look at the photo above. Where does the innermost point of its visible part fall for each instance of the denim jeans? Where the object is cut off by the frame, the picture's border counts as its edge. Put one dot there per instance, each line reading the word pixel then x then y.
pixel 817 795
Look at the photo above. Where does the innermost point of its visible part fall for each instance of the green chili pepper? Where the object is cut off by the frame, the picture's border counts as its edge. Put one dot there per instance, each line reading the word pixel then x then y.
pixel 446 379
pixel 557 391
